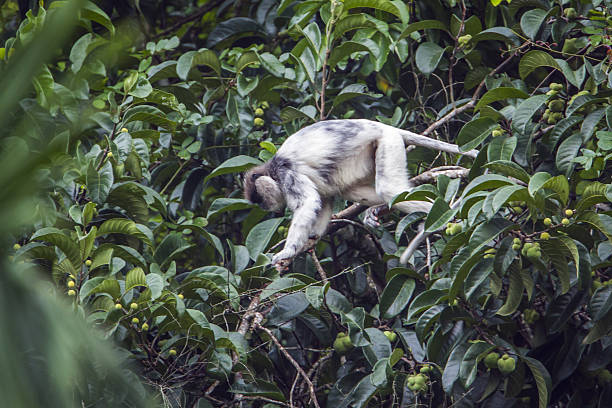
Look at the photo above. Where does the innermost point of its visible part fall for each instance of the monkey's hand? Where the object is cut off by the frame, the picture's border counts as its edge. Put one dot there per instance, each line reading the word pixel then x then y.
pixel 372 214
pixel 282 260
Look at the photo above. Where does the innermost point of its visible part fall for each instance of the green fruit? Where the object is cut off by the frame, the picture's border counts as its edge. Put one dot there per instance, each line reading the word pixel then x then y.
pixel 516 241
pixel 545 236
pixel 516 247
pixel 71 292
pixel 491 360
pixel 145 327
pixel 490 251
pixel 517 210
pixel 551 121
pixel 556 106
pixel 565 221
pixel 557 116
pixel 552 92
pixel 569 212
pixel 70 284
pixel 259 112
pixel 172 352
pixel 135 320
pixel 534 253
pixel 497 132
pixel 425 369
pixel 181 296
pixel 133 305
pixel 506 364
pixel 343 343
pixel 547 221
pixel 265 105
pixel 258 122
pixel 390 335
pixel 118 306
pixel 88 262
pixel 457 228
pixel 464 40
pixel 597 284
pixel 530 315
pixel 570 13
pixel 16 247
pixel 555 86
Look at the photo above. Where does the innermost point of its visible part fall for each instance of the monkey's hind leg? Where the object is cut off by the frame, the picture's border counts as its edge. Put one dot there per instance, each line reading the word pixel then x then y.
pixel 392 175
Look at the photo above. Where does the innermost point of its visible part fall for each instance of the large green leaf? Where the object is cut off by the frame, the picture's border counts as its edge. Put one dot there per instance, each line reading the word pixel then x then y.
pixel 234 165
pixel 500 94
pixel 56 237
pixel 535 59
pixel 260 235
pixel 99 181
pixel 526 110
pixel 396 296
pixel 474 133
pixel 428 56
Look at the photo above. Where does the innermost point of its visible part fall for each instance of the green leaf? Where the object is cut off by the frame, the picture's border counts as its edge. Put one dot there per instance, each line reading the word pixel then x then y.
pixel 383 5
pixel 542 379
pixel 500 94
pixel 504 34
pixel 396 296
pixel 110 287
pixel 526 110
pixel 272 64
pixel 537 181
pixel 567 151
pixel 532 20
pixel 193 58
pixel 135 277
pixel 515 291
pixel 246 59
pixel 99 182
pixel 78 53
pixel 353 91
pixel 475 132
pixel 123 226
pixel 56 237
pixel 560 185
pixel 234 165
pixel 428 56
pixel 92 12
pixel 155 283
pixel 439 215
pixel 422 25
pixel 221 205
pixel 344 50
pixel 260 235
pixel 535 59
pixel 508 168
pixel 601 302
pixel 424 301
pixel 469 364
pixel 453 365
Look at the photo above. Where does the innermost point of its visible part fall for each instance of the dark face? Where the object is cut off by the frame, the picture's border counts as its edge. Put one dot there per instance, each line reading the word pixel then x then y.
pixel 250 190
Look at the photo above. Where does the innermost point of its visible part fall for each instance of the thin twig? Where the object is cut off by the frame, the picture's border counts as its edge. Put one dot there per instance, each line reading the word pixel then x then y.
pixel 313 395
pixel 318 266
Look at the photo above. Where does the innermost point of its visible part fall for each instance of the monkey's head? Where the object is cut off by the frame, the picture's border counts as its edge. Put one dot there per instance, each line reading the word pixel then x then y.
pixel 261 189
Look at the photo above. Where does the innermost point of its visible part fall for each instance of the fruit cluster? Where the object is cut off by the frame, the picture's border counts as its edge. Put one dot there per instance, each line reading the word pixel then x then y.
pixel 531 316
pixel 453 228
pixel 531 250
pixel 417 383
pixel 259 112
pixel 505 364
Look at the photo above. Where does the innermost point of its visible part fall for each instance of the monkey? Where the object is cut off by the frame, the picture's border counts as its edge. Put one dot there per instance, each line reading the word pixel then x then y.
pixel 360 160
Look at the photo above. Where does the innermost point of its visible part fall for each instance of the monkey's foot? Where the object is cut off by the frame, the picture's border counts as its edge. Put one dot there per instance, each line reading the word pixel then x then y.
pixel 282 260
pixel 372 214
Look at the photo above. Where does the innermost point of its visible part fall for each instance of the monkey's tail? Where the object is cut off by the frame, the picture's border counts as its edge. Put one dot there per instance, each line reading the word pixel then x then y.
pixel 415 139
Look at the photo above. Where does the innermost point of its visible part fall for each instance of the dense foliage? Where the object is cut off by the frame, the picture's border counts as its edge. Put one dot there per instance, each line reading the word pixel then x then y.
pixel 122 180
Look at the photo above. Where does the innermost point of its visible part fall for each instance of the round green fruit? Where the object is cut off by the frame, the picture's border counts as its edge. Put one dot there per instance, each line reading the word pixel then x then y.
pixel 565 221
pixel 71 292
pixel 545 236
pixel 259 112
pixel 144 327
pixel 569 212
pixel 497 132
pixel 506 364
pixel 118 306
pixel 516 247
pixel 491 360
pixel 570 13
pixel 425 369
pixel 133 305
pixel 390 335
pixel 16 247
pixel 172 352
pixel 135 320
pixel 534 253
pixel 555 86
pixel 343 343
pixel 547 221
pixel 457 228
pixel 181 296
pixel 71 284
pixel 258 122
pixel 556 106
pixel 88 263
pixel 552 92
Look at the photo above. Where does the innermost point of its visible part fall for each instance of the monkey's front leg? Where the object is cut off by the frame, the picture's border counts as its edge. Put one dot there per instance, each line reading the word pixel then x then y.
pixel 304 218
